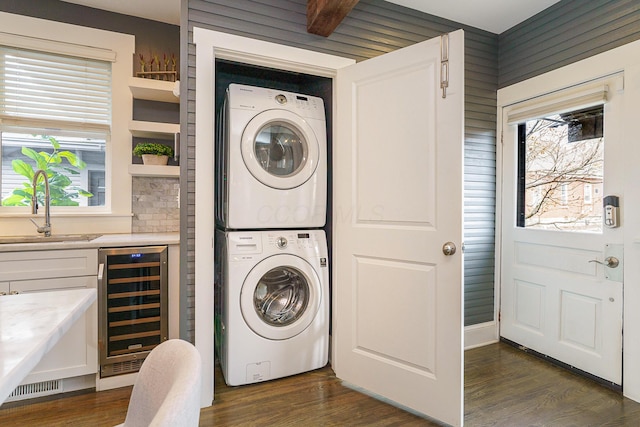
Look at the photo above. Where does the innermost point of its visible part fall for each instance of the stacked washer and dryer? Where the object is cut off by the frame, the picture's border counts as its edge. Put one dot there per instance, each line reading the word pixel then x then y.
pixel 272 279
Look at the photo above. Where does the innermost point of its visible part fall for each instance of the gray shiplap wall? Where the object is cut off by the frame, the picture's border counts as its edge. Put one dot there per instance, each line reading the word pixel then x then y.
pixel 564 33
pixel 373 28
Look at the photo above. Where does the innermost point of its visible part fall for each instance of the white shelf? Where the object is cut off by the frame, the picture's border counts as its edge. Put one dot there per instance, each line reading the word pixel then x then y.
pixel 154 170
pixel 153 90
pixel 159 130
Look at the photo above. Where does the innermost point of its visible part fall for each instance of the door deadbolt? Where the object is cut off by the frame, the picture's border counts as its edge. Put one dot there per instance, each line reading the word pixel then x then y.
pixel 449 248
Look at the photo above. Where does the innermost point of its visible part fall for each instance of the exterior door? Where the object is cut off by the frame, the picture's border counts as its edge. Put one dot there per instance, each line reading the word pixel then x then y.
pixel 561 279
pixel 397 297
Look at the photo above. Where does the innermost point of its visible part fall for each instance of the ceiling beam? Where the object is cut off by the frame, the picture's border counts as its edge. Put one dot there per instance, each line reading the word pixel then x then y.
pixel 323 16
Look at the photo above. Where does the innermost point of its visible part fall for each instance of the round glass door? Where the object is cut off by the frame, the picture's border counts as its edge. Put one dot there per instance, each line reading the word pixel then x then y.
pixel 280 149
pixel 280 297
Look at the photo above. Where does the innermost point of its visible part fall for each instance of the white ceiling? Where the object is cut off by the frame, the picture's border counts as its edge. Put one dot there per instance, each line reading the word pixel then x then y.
pixel 495 16
pixel 158 10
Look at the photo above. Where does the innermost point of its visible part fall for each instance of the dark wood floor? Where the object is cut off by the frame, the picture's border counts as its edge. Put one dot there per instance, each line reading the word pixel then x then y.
pixel 503 387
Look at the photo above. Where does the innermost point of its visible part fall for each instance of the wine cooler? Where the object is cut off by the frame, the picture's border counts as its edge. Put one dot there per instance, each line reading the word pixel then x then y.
pixel 132 306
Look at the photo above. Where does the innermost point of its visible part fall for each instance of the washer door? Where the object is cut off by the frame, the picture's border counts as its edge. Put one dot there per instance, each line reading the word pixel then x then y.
pixel 280 149
pixel 280 297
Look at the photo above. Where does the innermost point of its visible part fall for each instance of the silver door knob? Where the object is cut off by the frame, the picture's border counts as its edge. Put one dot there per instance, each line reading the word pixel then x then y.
pixel 449 248
pixel 610 261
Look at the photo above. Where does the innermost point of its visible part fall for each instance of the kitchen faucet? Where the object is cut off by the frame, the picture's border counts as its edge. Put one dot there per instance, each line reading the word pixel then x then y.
pixel 46 228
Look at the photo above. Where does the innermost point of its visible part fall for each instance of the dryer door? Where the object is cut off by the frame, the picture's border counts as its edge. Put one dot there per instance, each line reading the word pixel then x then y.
pixel 280 149
pixel 280 297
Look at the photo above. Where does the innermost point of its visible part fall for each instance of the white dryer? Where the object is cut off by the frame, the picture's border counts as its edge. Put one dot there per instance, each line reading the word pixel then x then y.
pixel 272 308
pixel 274 160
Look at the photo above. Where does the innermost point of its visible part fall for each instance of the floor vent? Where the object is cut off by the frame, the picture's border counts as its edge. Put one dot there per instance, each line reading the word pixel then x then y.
pixel 29 391
pixel 118 368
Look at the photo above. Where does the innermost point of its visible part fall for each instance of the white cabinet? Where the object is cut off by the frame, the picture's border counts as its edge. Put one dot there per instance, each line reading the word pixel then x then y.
pixel 162 91
pixel 76 353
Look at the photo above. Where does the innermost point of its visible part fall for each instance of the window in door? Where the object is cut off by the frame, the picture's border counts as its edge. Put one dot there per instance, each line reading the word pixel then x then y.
pixel 560 173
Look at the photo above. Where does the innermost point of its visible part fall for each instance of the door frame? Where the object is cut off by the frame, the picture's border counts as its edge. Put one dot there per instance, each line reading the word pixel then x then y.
pixel 620 59
pixel 212 45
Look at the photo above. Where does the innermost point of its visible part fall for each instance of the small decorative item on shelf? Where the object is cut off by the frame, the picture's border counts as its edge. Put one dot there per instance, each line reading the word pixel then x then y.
pixel 158 69
pixel 153 153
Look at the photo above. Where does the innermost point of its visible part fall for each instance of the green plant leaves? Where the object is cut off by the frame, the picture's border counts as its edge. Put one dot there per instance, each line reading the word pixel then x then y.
pixel 61 190
pixel 23 168
pixel 152 148
pixel 72 158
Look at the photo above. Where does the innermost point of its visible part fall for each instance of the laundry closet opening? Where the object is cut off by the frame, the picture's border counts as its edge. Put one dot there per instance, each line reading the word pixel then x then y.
pixel 228 72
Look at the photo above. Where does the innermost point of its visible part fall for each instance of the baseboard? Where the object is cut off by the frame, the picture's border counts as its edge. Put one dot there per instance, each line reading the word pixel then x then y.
pixel 480 335
pixel 117 381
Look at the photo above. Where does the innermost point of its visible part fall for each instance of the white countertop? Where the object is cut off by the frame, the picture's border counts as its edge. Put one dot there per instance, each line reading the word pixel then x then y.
pixel 30 325
pixel 104 241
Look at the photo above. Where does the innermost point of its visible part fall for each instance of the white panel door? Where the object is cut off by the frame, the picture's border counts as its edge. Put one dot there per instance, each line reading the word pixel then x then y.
pixel 557 295
pixel 398 199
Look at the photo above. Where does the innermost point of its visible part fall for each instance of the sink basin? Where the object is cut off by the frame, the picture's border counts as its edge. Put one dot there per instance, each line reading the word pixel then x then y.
pixel 50 239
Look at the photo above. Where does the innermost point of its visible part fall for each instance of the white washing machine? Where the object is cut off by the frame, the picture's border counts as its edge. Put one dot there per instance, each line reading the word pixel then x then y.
pixel 274 160
pixel 272 305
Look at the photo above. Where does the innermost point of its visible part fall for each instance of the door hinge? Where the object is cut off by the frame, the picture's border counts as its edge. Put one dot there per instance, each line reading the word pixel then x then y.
pixel 444 64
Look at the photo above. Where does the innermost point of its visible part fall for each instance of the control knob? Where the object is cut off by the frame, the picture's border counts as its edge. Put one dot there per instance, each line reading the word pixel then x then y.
pixel 281 242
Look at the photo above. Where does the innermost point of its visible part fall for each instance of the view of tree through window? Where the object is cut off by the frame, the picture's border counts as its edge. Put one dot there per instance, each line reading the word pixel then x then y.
pixel 561 160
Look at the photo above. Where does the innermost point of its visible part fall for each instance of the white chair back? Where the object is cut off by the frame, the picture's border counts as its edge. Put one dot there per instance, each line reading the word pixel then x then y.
pixel 167 390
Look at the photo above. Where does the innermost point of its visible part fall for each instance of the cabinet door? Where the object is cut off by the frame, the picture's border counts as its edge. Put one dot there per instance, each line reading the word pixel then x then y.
pixel 76 353
pixel 4 288
pixel 48 264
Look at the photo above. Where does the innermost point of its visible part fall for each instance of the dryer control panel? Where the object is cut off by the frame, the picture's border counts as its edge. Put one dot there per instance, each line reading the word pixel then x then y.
pixel 259 99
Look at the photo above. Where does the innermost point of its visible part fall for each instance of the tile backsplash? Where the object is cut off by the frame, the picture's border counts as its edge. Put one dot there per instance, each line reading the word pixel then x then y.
pixel 155 205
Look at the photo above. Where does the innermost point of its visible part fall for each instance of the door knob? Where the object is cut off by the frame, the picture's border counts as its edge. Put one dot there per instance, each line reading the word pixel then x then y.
pixel 449 248
pixel 610 261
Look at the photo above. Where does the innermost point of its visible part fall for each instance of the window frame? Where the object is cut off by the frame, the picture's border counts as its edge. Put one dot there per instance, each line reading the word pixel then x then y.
pixel 53 37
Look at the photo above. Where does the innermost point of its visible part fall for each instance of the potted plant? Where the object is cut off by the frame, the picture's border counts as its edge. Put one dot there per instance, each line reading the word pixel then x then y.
pixel 153 153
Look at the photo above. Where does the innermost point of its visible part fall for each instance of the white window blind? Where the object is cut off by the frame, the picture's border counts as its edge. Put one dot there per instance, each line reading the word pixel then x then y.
pixel 555 104
pixel 585 95
pixel 54 91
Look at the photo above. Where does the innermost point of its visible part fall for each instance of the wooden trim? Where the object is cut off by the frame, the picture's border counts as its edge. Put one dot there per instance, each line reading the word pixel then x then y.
pixel 323 16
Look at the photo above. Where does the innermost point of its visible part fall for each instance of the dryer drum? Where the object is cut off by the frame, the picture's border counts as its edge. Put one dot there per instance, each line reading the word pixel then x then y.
pixel 280 149
pixel 281 297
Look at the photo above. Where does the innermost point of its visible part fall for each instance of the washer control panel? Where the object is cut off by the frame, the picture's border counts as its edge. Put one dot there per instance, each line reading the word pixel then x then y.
pixel 249 246
pixel 292 239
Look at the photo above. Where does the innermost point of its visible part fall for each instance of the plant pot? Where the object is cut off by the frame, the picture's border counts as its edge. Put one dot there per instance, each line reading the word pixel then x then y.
pixel 152 159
